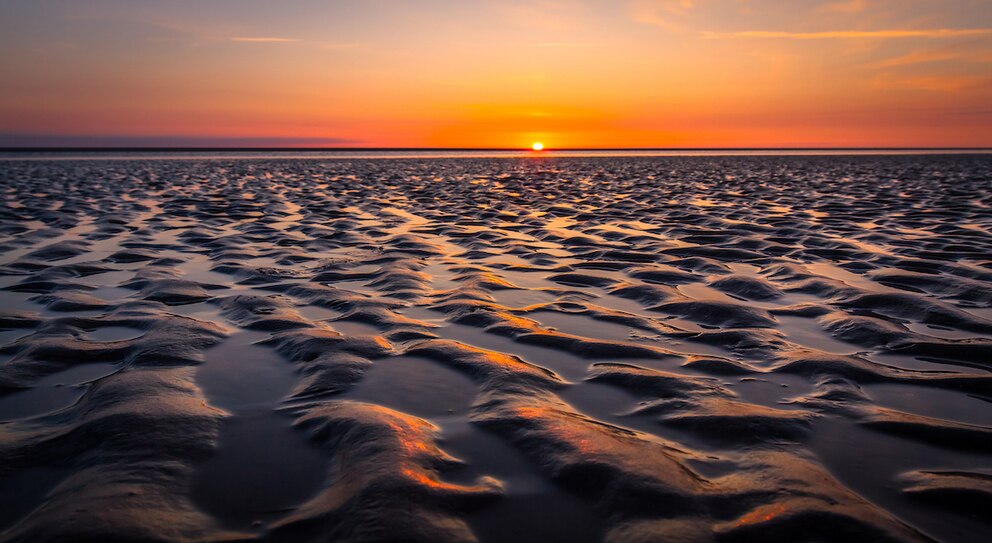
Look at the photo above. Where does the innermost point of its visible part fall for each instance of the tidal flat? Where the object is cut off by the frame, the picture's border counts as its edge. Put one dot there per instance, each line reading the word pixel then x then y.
pixel 623 349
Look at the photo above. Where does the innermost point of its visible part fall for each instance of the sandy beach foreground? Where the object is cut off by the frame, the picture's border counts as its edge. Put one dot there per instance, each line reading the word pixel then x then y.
pixel 558 349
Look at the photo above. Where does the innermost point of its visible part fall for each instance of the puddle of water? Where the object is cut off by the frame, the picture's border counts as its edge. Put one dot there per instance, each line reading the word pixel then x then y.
pixel 581 325
pixel 872 467
pixel 940 332
pixel 541 511
pixel 522 298
pixel 200 310
pixel 809 333
pixel 197 268
pixel 695 347
pixel 356 328
pixel 113 333
pixel 239 374
pixel 52 392
pixel 355 285
pixel 602 401
pixel 836 272
pixel 317 313
pixel 10 336
pixel 262 469
pixel 701 292
pixel 17 301
pixel 417 386
pixel 626 305
pixel 980 312
pixel 37 401
pixel 931 402
pixel 110 279
pixel 112 294
pixel 770 390
pixel 424 314
pixel 910 363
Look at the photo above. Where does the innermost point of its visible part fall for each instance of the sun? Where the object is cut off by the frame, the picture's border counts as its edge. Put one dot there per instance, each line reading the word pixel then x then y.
pixel 537 146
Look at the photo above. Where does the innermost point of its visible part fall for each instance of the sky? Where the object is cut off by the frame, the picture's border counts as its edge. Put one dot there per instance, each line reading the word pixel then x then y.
pixel 503 74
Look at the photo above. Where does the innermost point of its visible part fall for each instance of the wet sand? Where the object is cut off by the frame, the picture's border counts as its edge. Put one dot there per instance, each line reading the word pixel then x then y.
pixel 523 349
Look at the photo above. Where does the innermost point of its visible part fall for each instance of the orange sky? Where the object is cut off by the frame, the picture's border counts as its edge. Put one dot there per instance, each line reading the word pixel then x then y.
pixel 375 73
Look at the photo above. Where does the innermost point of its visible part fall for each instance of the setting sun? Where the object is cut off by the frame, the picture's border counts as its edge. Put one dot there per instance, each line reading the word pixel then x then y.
pixel 537 146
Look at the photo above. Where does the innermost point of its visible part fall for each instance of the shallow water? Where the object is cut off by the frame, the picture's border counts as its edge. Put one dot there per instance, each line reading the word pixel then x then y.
pixel 496 348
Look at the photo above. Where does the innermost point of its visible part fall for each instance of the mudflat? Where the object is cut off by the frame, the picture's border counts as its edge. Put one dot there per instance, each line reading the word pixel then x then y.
pixel 740 348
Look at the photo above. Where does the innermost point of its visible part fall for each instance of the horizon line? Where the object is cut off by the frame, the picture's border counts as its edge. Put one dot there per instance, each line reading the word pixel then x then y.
pixel 10 149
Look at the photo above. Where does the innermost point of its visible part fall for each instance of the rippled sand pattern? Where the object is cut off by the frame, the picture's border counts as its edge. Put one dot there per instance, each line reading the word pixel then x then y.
pixel 632 349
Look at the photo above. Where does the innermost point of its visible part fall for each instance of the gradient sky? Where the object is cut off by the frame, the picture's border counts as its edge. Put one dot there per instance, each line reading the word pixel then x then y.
pixel 474 73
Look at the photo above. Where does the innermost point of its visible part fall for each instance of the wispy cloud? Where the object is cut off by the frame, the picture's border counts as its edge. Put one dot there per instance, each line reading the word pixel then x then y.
pixel 263 39
pixel 925 57
pixel 947 84
pixel 917 57
pixel 660 12
pixel 13 140
pixel 855 34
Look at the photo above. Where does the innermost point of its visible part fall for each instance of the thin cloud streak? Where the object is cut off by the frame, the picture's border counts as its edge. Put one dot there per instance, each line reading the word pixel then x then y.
pixel 854 34
pixel 918 57
pixel 16 140
pixel 660 13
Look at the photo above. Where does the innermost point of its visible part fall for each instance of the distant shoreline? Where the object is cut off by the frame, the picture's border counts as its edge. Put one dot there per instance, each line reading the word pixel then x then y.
pixel 474 149
pixel 422 153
